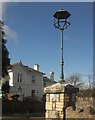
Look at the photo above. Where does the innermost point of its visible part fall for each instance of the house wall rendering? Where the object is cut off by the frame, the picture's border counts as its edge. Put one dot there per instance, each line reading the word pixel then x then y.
pixel 25 81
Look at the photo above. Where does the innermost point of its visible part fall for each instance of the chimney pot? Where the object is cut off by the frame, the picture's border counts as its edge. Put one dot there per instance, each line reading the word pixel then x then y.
pixel 36 67
pixel 52 75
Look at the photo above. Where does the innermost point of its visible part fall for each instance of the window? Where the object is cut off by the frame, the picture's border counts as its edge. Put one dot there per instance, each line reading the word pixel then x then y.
pixel 33 79
pixel 33 93
pixel 19 77
pixel 19 89
pixel 44 84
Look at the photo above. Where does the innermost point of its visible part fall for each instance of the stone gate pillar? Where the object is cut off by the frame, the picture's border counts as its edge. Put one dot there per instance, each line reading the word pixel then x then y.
pixel 58 97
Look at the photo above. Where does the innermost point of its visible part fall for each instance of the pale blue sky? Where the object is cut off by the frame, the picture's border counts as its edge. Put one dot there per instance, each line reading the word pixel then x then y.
pixel 48 0
pixel 32 37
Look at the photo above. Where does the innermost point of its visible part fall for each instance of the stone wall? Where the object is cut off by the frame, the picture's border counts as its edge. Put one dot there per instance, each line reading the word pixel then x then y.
pixel 84 108
pixel 64 100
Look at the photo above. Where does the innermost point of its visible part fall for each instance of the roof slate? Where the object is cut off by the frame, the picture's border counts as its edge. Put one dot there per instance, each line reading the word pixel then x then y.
pixel 29 69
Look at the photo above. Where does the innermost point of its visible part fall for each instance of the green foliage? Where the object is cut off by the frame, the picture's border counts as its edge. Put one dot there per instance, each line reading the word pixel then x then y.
pixel 5 87
pixel 15 97
pixel 5 60
pixel 11 107
pixel 5 53
pixel 15 106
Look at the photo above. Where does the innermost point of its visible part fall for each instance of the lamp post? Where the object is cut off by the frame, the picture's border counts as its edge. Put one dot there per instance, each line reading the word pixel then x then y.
pixel 60 22
pixel 60 93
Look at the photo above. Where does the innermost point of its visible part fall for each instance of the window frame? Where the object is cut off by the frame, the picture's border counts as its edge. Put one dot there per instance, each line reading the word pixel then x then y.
pixel 33 79
pixel 19 78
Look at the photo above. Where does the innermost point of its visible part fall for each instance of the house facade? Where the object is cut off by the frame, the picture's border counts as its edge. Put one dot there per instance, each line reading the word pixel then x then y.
pixel 26 81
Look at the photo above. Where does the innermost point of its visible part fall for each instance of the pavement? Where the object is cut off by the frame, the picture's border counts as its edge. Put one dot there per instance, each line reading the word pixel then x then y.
pixel 24 117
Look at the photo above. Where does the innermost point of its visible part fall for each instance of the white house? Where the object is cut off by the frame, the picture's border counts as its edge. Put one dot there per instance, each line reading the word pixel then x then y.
pixel 26 81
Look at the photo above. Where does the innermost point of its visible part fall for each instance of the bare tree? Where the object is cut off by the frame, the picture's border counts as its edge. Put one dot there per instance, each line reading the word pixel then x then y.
pixel 75 79
pixel 91 79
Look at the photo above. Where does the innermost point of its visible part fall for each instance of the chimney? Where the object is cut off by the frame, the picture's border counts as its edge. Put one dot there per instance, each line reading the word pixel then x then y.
pixel 36 67
pixel 52 75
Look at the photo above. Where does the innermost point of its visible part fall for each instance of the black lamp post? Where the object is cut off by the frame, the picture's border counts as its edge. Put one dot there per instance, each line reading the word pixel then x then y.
pixel 60 22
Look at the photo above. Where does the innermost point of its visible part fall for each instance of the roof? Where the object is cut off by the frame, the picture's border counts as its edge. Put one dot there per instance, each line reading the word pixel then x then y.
pixel 46 79
pixel 13 65
pixel 28 69
pixel 31 70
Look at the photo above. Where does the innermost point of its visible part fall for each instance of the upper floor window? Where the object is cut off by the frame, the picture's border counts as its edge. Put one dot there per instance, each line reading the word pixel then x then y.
pixel 44 84
pixel 19 77
pixel 33 79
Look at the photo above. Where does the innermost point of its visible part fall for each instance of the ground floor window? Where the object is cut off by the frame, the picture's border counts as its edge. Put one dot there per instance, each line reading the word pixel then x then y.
pixel 33 93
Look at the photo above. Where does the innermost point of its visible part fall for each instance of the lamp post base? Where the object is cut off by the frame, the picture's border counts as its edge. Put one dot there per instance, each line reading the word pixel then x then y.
pixel 61 81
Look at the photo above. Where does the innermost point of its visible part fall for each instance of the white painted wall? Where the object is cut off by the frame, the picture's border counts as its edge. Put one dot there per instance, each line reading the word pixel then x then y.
pixel 11 77
pixel 26 84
